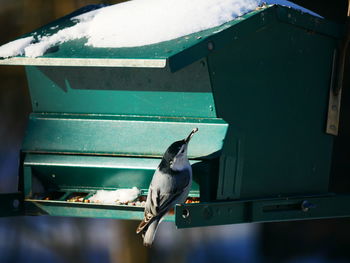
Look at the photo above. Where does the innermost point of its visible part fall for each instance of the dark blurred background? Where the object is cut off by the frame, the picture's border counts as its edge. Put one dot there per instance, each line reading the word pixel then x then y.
pixel 60 240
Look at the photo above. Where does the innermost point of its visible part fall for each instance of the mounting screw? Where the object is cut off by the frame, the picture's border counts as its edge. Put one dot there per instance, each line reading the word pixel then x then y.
pixel 306 206
pixel 211 46
pixel 15 203
pixel 332 127
pixel 185 213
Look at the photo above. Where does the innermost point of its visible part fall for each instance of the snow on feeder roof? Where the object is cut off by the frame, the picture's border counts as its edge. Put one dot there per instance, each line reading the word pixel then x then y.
pixel 138 33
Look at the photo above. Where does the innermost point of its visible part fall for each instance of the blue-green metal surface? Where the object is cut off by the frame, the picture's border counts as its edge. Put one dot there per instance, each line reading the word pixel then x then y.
pixel 89 173
pixel 120 135
pixel 54 208
pixel 122 91
pixel 275 99
pixel 35 207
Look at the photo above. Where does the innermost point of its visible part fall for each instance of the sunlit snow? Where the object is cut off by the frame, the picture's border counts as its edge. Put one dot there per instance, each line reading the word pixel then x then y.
pixel 111 197
pixel 16 47
pixel 141 22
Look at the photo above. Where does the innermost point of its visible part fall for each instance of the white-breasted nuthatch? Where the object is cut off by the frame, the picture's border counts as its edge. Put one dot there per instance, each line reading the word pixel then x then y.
pixel 170 185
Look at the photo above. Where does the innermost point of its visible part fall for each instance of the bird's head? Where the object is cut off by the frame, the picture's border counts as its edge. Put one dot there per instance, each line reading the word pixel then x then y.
pixel 175 156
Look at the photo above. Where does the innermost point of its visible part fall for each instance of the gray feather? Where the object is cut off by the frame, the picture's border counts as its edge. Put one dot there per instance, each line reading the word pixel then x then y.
pixel 167 190
pixel 148 236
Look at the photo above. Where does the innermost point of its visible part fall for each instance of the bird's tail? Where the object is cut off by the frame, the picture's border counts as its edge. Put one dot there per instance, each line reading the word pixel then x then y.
pixel 148 235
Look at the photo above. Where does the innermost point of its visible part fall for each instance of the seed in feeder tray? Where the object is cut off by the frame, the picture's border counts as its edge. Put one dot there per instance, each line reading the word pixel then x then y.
pixel 171 211
pixel 142 198
pixel 86 201
pixel 76 199
pixel 192 200
pixel 138 203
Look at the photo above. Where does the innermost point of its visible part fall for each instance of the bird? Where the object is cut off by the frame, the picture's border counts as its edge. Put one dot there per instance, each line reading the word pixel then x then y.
pixel 170 185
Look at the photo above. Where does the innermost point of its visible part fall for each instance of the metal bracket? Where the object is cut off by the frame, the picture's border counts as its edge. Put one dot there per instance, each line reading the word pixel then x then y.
pixel 262 210
pixel 334 101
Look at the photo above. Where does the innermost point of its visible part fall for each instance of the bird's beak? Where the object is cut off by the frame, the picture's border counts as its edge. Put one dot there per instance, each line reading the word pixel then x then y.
pixel 187 140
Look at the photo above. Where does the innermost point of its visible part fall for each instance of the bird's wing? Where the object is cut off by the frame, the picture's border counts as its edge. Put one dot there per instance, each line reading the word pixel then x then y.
pixel 159 209
pixel 163 195
pixel 166 189
pixel 169 194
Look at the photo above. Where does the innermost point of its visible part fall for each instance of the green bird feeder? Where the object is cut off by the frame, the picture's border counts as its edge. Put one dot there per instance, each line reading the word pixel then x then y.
pixel 257 88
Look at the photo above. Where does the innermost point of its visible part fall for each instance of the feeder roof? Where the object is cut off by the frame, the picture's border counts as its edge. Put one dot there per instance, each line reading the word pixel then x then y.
pixel 176 53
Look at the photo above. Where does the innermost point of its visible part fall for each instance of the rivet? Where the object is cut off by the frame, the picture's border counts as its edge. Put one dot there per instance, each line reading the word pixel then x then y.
pixel 210 46
pixel 306 205
pixel 334 107
pixel 332 127
pixel 185 213
pixel 15 203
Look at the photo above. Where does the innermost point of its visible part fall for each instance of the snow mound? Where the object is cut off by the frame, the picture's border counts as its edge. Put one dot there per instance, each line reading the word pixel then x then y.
pixel 15 47
pixel 140 22
pixel 159 20
pixel 112 197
